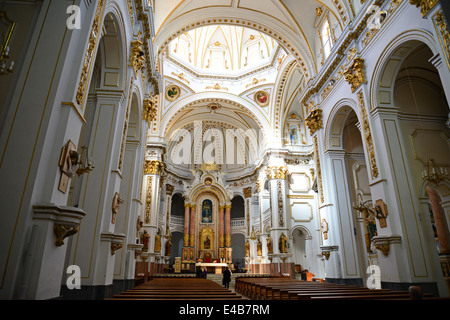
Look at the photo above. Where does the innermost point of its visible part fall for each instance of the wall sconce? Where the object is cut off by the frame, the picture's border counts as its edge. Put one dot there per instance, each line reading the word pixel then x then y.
pixel 88 164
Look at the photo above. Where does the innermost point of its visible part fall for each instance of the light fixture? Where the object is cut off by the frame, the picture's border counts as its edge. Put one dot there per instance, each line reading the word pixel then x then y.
pixel 434 174
pixel 8 26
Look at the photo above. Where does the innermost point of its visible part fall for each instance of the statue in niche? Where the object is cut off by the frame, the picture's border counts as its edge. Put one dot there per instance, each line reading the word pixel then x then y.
pixel 294 136
pixel 269 245
pixel 247 249
pixel 158 242
pixel 259 248
pixel 207 211
pixel 145 238
pixel 168 245
pixel 283 243
pixel 207 243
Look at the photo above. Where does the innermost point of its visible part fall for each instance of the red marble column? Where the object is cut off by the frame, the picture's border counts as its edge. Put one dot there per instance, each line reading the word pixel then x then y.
pixel 220 224
pixel 192 232
pixel 439 221
pixel 186 224
pixel 227 225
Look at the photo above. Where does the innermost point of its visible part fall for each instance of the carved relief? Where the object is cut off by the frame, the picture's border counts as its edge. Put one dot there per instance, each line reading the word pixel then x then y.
pixel 425 5
pixel 150 109
pixel 367 136
pixel 314 120
pixel 89 55
pixel 137 58
pixel 280 205
pixel 355 74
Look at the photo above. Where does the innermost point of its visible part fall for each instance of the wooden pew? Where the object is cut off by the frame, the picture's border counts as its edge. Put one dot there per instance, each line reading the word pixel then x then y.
pixel 178 289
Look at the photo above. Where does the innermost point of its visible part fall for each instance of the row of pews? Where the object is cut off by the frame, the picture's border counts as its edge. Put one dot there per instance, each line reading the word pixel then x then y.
pixel 282 288
pixel 178 288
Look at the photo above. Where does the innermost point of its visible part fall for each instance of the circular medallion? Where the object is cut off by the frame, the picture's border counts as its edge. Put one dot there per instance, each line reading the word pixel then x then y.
pixel 262 98
pixel 172 92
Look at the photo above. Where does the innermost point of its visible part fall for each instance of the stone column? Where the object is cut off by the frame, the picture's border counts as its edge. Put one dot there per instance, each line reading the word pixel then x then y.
pixel 186 225
pixel 192 230
pixel 227 225
pixel 439 221
pixel 221 226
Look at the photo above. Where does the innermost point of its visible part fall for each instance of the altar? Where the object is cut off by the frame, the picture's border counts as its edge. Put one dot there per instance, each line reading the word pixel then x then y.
pixel 214 267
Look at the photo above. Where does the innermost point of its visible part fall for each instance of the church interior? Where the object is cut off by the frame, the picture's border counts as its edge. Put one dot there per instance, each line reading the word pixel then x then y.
pixel 140 139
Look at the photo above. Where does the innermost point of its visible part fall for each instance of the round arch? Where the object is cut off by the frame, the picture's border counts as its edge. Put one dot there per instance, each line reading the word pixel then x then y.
pixel 335 123
pixel 383 78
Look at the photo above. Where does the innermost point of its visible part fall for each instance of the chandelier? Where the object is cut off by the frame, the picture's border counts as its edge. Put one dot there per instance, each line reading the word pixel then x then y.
pixel 434 174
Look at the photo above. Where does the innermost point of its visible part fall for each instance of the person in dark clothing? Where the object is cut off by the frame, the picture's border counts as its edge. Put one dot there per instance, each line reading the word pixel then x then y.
pixel 226 278
pixel 199 273
pixel 205 273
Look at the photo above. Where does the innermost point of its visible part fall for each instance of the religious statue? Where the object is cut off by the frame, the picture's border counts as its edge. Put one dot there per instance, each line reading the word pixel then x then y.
pixel 145 239
pixel 115 206
pixel 207 243
pixel 138 225
pixel 168 245
pixel 283 243
pixel 381 212
pixel 324 228
pixel 247 249
pixel 207 211
pixel 269 245
pixel 259 248
pixel 158 242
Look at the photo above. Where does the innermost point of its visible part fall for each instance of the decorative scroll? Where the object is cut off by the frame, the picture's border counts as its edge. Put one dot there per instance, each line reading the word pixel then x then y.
pixel 314 120
pixel 367 135
pixel 89 56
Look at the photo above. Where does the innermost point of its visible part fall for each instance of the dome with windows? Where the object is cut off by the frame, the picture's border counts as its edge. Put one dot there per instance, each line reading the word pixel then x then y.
pixel 223 49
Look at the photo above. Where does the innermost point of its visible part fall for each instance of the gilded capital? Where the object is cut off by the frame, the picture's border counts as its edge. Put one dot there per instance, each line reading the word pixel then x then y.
pixel 355 74
pixel 314 120
pixel 153 167
pixel 247 192
pixel 276 172
pixel 169 189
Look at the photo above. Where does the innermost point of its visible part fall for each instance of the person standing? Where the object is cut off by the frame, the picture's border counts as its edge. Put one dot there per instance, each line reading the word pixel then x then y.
pixel 226 277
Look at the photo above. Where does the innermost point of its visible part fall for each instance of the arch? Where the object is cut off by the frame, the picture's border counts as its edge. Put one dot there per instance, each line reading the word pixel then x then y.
pixel 112 47
pixel 208 97
pixel 303 229
pixel 335 123
pixel 392 57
